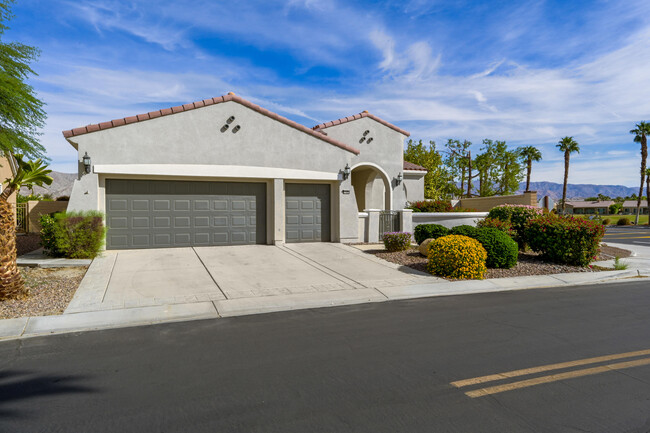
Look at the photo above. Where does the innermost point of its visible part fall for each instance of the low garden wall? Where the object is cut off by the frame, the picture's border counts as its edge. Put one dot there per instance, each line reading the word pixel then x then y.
pixel 37 208
pixel 484 204
pixel 448 219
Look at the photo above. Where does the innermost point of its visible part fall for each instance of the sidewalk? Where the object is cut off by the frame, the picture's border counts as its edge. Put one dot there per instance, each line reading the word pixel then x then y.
pixel 639 266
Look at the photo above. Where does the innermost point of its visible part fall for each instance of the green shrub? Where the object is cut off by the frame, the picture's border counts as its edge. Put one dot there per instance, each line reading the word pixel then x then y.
pixel 606 221
pixel 565 239
pixel 623 221
pixel 457 257
pixel 423 232
pixel 518 216
pixel 397 241
pixel 50 232
pixel 502 250
pixel 495 223
pixel 75 235
pixel 464 230
pixel 430 206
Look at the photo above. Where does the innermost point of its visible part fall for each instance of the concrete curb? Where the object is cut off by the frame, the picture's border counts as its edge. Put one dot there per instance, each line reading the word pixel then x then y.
pixel 27 327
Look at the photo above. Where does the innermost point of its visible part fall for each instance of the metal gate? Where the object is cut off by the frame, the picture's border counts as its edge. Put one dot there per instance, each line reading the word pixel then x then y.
pixel 21 218
pixel 388 222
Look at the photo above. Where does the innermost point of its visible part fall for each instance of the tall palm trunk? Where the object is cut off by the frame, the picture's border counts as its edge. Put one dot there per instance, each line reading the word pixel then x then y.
pixel 11 282
pixel 528 170
pixel 644 157
pixel 566 179
pixel 647 193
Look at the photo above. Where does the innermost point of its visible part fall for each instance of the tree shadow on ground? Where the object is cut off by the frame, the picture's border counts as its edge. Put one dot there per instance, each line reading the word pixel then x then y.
pixel 18 386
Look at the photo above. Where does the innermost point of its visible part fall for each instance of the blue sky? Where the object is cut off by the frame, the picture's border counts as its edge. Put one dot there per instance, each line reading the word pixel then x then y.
pixel 527 72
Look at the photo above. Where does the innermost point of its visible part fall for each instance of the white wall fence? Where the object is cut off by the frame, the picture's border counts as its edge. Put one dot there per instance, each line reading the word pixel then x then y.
pixel 369 221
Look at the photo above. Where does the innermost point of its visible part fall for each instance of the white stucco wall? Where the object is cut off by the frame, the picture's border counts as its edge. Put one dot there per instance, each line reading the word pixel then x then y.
pixel 386 150
pixel 413 186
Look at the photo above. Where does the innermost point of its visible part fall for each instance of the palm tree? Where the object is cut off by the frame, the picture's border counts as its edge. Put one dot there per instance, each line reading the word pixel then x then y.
pixel 641 132
pixel 567 145
pixel 647 192
pixel 529 154
pixel 28 173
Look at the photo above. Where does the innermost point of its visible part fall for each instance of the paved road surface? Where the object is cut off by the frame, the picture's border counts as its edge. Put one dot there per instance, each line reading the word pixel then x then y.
pixel 410 366
pixel 628 235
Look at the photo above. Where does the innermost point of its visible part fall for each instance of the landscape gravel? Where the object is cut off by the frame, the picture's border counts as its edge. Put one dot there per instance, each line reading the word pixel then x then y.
pixel 529 263
pixel 50 292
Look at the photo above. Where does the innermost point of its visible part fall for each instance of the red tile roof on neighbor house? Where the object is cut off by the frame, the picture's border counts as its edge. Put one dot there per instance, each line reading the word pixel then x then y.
pixel 360 116
pixel 199 104
pixel 411 166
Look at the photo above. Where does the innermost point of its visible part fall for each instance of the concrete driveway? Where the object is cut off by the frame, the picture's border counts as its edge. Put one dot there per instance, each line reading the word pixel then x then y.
pixel 136 278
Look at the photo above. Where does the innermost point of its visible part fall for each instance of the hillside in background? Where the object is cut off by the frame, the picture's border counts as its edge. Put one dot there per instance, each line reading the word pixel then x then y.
pixel 554 190
pixel 61 185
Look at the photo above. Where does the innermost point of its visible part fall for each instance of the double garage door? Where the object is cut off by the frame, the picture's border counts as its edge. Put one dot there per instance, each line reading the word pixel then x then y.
pixel 161 213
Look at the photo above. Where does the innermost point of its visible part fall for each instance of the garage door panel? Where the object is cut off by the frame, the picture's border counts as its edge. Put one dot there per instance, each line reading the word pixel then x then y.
pixel 154 214
pixel 307 212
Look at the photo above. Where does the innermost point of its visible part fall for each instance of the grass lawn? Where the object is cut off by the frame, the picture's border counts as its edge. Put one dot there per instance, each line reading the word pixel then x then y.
pixel 643 219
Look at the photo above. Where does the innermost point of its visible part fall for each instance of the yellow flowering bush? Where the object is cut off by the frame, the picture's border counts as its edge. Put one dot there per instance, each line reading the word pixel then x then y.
pixel 458 257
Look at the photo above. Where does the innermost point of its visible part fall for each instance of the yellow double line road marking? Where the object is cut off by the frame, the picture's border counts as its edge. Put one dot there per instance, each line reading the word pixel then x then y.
pixel 553 377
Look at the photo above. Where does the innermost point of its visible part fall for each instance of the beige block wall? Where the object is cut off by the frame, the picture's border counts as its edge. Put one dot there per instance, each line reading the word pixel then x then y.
pixel 484 204
pixel 37 208
pixel 6 173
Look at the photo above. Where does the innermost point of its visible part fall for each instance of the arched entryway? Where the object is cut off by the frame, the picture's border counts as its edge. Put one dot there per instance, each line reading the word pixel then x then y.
pixel 372 187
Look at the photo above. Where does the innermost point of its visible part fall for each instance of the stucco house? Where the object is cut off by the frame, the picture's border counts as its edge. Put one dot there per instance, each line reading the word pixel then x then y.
pixel 582 207
pixel 224 171
pixel 8 170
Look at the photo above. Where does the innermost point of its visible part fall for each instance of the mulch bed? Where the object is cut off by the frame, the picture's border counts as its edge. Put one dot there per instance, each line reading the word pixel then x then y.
pixel 27 243
pixel 50 292
pixel 529 263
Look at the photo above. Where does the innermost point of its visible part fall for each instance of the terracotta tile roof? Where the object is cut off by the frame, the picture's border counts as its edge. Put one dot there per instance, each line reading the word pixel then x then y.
pixel 194 105
pixel 411 166
pixel 360 116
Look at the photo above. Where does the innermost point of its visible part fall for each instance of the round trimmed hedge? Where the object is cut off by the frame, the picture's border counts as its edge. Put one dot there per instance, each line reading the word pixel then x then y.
pixel 465 230
pixel 502 250
pixel 457 257
pixel 423 232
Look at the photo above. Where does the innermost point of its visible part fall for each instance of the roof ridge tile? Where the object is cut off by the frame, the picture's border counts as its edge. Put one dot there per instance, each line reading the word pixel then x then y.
pixel 199 104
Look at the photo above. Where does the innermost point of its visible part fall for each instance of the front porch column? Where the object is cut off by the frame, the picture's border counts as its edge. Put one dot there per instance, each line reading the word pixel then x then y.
pixel 278 212
pixel 373 225
pixel 406 220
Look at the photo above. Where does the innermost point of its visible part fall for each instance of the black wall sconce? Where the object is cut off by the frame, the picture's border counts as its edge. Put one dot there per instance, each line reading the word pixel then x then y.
pixel 86 161
pixel 399 179
pixel 346 172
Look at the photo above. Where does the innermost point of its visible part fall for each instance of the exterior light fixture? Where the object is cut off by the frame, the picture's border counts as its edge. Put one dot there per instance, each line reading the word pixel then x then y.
pixel 399 178
pixel 346 172
pixel 86 161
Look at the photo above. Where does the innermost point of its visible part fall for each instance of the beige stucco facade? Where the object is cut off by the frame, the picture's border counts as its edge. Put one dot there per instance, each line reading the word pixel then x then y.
pixel 6 172
pixel 256 146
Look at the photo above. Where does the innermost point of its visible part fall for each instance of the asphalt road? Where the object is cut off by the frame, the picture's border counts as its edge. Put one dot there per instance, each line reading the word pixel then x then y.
pixel 370 368
pixel 630 235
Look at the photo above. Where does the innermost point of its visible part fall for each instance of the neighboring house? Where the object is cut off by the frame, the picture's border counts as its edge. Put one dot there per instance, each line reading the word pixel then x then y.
pixel 547 203
pixel 224 171
pixel 581 207
pixel 7 171
pixel 629 207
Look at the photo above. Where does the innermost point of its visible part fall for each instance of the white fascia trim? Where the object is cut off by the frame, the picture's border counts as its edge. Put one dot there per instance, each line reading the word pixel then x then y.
pixel 198 170
pixel 420 172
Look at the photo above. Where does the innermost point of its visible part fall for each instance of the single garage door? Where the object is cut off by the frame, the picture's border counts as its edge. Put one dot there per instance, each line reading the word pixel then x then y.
pixel 307 212
pixel 161 213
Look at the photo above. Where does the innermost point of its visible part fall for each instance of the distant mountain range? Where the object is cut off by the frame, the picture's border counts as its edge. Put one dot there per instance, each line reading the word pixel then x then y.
pixel 62 186
pixel 554 190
